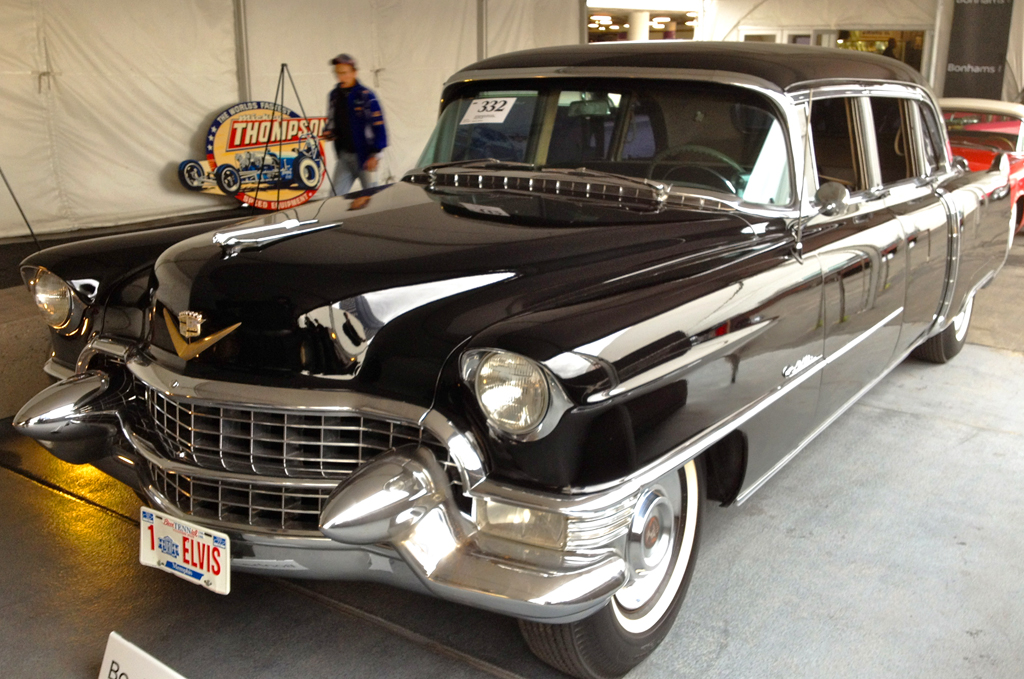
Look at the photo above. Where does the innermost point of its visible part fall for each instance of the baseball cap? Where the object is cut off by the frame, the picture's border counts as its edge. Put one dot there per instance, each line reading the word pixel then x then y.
pixel 343 59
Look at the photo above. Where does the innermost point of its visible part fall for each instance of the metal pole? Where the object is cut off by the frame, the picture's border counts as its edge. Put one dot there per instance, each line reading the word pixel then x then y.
pixel 242 52
pixel 481 29
pixel 18 205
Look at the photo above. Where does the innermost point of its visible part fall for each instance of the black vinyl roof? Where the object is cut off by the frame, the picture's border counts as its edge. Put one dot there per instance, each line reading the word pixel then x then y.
pixel 783 65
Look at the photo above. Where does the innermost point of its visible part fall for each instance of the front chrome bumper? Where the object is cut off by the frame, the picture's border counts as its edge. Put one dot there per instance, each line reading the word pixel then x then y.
pixel 395 520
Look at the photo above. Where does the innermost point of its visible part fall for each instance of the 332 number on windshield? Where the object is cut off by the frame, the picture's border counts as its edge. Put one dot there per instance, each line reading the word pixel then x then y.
pixel 491 110
pixel 491 105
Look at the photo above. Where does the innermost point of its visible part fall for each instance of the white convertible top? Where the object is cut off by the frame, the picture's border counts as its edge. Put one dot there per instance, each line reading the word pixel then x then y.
pixel 983 106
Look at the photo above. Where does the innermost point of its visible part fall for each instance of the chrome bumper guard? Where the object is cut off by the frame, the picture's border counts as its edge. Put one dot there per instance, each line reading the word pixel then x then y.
pixel 393 520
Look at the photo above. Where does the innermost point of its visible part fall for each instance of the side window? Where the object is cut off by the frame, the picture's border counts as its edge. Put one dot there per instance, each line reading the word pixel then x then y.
pixel 835 142
pixel 892 134
pixel 934 148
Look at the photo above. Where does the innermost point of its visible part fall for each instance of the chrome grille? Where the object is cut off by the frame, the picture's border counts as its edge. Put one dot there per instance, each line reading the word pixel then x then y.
pixel 258 504
pixel 280 443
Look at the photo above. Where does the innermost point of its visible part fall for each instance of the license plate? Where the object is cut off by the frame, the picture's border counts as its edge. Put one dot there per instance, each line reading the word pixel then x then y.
pixel 191 552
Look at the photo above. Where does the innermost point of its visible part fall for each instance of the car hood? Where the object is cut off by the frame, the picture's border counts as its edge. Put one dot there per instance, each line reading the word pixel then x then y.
pixel 375 293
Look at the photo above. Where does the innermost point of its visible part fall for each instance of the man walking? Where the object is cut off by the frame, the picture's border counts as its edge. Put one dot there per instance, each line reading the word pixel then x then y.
pixel 356 124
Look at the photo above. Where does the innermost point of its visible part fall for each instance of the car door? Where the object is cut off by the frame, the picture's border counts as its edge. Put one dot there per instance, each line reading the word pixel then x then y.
pixel 910 168
pixel 861 251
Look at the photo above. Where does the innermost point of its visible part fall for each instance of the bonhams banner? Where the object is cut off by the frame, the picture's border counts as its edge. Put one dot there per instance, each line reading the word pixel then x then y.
pixel 263 154
pixel 977 48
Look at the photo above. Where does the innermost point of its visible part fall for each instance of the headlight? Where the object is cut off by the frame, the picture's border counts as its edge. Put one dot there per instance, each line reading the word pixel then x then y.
pixel 512 391
pixel 53 297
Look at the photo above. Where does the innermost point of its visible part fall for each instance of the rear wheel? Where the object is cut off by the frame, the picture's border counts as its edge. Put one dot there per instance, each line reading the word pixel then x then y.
pixel 191 175
pixel 943 347
pixel 661 554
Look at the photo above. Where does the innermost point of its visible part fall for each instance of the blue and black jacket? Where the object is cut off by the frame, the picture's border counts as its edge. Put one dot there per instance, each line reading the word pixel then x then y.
pixel 364 117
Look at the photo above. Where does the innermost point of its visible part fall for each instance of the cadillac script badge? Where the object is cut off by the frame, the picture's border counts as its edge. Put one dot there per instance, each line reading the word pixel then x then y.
pixel 190 323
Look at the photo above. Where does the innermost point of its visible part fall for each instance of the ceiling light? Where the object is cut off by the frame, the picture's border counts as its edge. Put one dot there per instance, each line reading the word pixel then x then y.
pixel 599 17
pixel 591 25
pixel 840 41
pixel 691 23
pixel 662 20
pixel 625 25
pixel 614 28
pixel 657 25
pixel 601 28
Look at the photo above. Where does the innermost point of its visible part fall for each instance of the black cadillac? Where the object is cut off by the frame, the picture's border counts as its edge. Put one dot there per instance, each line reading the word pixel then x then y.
pixel 623 280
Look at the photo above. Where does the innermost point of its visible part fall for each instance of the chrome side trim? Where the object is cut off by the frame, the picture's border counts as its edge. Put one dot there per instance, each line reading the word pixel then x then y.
pixel 801 92
pixel 955 225
pixel 835 416
pixel 697 355
pixel 863 336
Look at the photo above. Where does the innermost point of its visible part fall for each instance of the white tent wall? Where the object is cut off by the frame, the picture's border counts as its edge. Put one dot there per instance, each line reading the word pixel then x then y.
pixel 102 100
pixel 405 49
pixel 524 24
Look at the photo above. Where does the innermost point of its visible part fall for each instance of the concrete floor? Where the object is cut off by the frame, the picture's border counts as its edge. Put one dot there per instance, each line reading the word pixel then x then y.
pixel 890 547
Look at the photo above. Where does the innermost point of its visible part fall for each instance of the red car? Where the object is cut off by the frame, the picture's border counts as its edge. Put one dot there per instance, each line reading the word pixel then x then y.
pixel 981 129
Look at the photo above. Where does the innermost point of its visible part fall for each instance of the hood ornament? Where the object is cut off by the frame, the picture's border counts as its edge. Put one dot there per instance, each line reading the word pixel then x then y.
pixel 258 237
pixel 189 326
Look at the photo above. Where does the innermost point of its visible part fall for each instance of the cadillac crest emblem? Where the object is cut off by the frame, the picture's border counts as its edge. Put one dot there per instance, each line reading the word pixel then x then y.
pixel 190 324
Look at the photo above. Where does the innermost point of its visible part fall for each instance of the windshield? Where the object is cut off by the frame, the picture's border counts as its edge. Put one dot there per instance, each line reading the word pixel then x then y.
pixel 685 134
pixel 986 129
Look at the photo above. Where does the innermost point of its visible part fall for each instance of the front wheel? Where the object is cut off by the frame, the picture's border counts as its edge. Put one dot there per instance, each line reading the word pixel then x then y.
pixel 943 347
pixel 661 553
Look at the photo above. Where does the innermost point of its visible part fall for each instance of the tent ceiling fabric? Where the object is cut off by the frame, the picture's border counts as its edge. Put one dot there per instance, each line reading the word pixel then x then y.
pixel 110 95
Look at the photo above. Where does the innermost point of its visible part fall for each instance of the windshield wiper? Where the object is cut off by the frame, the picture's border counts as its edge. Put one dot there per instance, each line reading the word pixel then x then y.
pixel 481 163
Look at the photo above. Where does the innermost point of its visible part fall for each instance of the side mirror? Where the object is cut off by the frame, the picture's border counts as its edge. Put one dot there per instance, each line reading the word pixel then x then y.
pixel 833 198
pixel 960 164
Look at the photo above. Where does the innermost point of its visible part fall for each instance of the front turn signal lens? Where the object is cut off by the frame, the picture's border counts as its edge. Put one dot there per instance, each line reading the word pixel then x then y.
pixel 522 524
pixel 53 297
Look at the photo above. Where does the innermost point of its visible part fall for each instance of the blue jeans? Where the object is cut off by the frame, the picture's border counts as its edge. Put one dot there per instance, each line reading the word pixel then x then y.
pixel 346 170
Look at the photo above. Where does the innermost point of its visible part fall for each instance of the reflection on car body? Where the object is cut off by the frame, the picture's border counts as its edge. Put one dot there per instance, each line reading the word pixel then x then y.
pixel 622 281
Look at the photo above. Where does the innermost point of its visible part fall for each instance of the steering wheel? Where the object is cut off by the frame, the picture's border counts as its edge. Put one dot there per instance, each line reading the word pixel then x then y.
pixel 688 168
pixel 692 148
pixel 998 142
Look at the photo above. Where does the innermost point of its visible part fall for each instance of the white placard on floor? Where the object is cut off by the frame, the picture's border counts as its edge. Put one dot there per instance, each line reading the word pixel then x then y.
pixel 125 660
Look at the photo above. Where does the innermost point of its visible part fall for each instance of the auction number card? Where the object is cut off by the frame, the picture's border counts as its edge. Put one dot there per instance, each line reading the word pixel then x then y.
pixel 488 111
pixel 191 552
